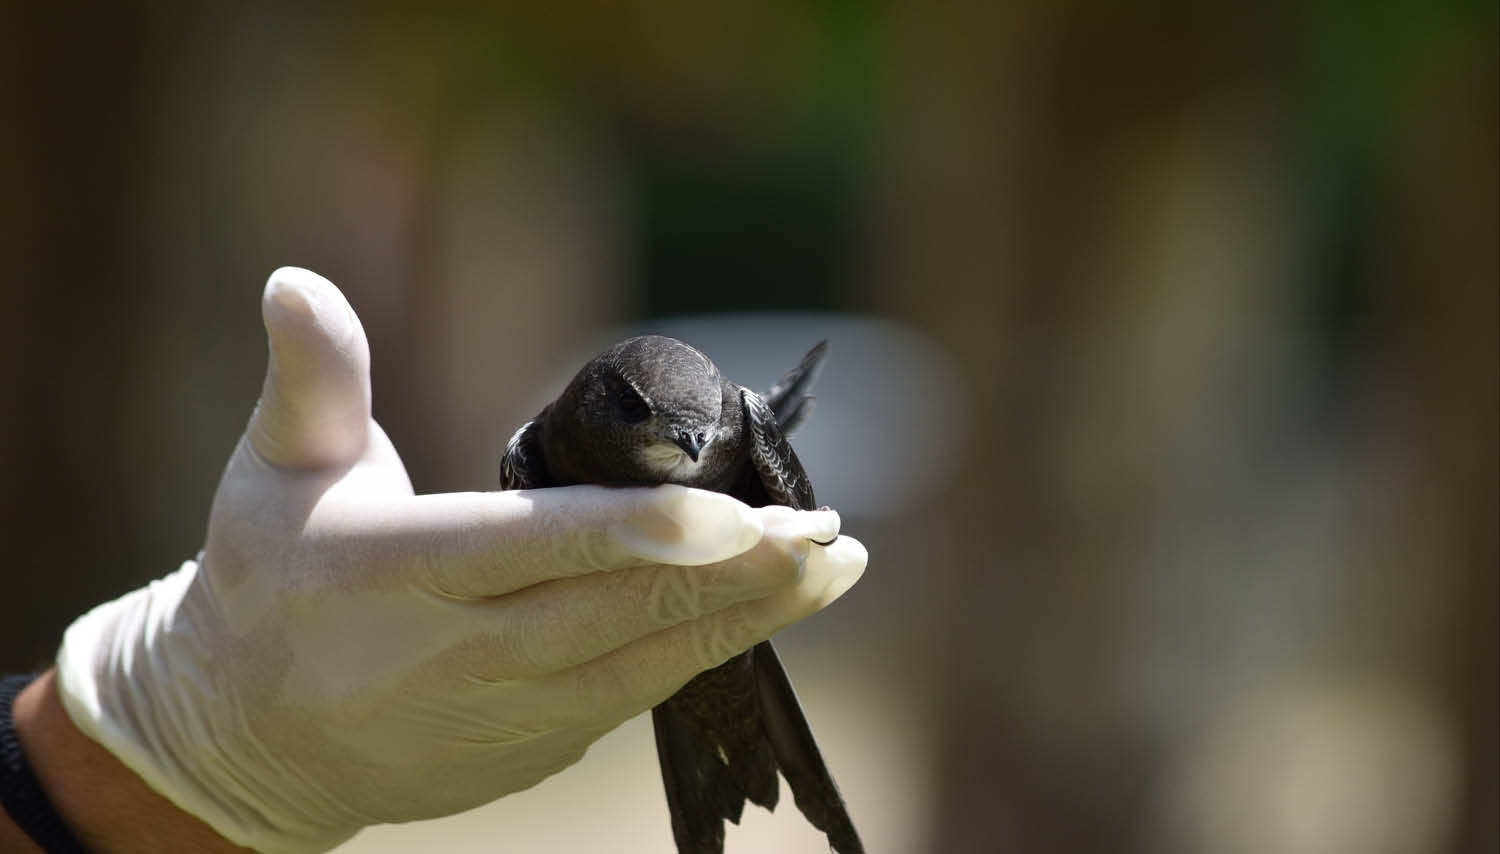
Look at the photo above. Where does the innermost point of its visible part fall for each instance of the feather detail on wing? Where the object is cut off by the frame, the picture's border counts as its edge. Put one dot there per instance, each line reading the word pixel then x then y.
pixel 773 458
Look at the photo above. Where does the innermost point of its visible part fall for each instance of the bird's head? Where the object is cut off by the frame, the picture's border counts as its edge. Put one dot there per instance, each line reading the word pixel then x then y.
pixel 653 404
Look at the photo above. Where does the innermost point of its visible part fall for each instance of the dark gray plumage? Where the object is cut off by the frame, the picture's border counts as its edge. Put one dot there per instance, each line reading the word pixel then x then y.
pixel 654 410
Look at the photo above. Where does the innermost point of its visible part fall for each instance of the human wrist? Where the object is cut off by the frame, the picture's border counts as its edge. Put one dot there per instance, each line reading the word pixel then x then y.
pixel 28 821
pixel 106 805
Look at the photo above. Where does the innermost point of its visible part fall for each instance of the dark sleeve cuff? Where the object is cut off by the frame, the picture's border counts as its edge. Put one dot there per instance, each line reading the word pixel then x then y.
pixel 20 793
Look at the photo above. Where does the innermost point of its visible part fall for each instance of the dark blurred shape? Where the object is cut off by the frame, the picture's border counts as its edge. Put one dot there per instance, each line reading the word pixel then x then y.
pixel 1213 565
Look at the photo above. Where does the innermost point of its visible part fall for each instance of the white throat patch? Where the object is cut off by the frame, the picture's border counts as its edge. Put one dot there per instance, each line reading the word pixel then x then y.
pixel 669 460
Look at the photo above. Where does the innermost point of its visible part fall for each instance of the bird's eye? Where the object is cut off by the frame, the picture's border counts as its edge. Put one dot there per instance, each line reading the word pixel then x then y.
pixel 631 405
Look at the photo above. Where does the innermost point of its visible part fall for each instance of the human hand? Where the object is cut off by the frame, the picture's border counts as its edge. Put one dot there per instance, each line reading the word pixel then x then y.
pixel 344 652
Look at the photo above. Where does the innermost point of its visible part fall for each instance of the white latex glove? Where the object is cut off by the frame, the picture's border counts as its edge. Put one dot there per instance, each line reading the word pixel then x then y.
pixel 344 653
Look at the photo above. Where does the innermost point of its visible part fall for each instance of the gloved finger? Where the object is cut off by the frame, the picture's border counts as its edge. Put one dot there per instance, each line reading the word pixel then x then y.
pixel 563 623
pixel 315 404
pixel 473 545
pixel 641 674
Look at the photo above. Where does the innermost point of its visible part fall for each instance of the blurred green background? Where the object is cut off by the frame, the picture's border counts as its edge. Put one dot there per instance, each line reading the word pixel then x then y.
pixel 1207 296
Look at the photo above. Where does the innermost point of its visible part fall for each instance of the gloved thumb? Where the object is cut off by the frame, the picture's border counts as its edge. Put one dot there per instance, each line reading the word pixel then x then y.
pixel 314 408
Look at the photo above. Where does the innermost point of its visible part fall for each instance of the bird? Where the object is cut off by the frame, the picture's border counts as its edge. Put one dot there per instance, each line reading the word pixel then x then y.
pixel 651 410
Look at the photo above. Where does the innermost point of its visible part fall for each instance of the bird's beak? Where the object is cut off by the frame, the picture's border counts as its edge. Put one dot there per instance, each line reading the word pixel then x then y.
pixel 690 443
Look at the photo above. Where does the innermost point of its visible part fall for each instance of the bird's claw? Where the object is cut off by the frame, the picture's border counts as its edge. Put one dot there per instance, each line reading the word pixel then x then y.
pixel 825 508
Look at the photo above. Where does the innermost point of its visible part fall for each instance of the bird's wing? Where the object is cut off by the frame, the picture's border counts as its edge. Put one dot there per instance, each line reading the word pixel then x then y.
pixel 789 398
pixel 783 721
pixel 699 794
pixel 772 456
pixel 713 755
pixel 797 754
pixel 524 466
